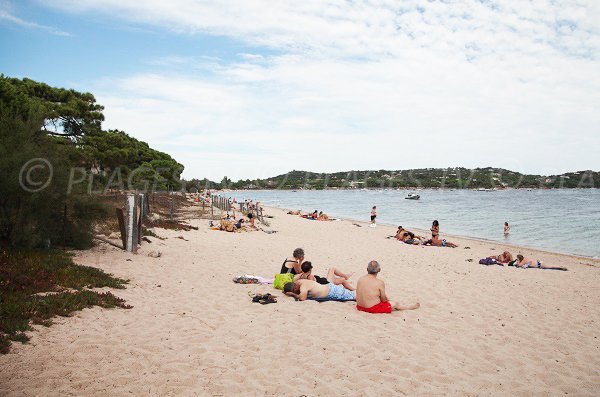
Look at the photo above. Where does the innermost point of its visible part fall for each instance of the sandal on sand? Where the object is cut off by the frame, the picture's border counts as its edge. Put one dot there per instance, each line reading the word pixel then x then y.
pixel 268 298
pixel 264 299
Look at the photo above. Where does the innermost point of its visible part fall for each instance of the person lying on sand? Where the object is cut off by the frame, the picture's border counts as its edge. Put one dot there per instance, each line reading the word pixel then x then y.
pixel 412 239
pixel 333 276
pixel 304 289
pixel 293 265
pixel 504 257
pixel 436 242
pixel 370 293
pixel 227 225
pixel 298 212
pixel 525 263
pixel 400 233
pixel 322 216
pixel 312 215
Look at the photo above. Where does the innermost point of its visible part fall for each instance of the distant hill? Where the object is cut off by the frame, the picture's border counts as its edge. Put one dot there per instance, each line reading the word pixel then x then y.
pixel 449 178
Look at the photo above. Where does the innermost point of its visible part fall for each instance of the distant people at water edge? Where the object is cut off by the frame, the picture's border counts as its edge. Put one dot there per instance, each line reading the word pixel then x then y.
pixel 526 263
pixel 371 296
pixel 506 229
pixel 294 265
pixel 373 216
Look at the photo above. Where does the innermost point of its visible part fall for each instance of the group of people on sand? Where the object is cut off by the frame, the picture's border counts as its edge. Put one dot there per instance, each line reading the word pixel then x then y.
pixel 408 237
pixel 231 224
pixel 369 292
pixel 315 215
pixel 506 259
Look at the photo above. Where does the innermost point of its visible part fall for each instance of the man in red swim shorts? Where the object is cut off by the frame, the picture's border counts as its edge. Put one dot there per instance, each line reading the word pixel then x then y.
pixel 370 293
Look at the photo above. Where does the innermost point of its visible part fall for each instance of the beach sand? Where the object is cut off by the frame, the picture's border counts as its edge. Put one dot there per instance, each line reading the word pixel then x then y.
pixel 481 330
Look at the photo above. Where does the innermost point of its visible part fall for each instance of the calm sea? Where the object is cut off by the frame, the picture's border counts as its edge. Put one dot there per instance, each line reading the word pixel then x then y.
pixel 566 221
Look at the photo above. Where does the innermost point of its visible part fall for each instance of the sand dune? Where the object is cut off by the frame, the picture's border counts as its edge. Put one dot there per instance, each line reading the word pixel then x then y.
pixel 480 330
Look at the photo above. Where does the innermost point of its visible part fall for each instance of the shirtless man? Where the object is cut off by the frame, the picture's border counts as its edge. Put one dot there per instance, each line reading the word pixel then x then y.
pixel 304 289
pixel 333 276
pixel 370 293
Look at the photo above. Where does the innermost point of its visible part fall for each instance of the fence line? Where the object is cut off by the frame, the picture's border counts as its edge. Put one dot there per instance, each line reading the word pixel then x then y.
pixel 224 204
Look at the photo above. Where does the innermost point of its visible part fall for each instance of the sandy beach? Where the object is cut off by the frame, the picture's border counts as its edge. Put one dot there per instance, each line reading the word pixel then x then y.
pixel 481 330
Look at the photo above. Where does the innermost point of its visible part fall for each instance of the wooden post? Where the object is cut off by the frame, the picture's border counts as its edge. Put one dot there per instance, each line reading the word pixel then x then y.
pixel 121 219
pixel 139 212
pixel 172 204
pixel 132 238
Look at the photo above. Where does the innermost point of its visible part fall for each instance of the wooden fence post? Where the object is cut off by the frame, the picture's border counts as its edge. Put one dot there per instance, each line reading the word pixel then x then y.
pixel 172 204
pixel 132 237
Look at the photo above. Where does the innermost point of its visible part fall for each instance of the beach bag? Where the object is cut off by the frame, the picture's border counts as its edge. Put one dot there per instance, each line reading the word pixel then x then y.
pixel 282 279
pixel 487 261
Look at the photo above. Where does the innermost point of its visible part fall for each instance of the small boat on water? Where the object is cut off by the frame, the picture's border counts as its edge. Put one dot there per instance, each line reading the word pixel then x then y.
pixel 412 196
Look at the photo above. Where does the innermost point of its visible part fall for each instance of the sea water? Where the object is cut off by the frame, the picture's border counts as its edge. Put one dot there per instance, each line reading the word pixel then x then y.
pixel 558 220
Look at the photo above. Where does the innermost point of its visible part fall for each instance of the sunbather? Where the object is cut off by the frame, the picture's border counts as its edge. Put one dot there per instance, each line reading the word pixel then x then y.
pixel 322 216
pixel 525 263
pixel 297 212
pixel 400 233
pixel 294 265
pixel 436 242
pixel 304 289
pixel 371 296
pixel 504 257
pixel 333 276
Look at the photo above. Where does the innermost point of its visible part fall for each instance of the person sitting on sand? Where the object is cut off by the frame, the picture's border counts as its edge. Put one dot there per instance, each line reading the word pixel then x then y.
pixel 435 230
pixel 294 265
pixel 436 242
pixel 333 276
pixel 304 289
pixel 251 219
pixel 371 296
pixel 504 257
pixel 525 263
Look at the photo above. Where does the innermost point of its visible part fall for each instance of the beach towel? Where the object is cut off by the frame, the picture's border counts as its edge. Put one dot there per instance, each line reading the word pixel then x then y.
pixel 332 300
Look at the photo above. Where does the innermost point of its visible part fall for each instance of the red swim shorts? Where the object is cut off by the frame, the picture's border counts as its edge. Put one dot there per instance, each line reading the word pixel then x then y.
pixel 381 307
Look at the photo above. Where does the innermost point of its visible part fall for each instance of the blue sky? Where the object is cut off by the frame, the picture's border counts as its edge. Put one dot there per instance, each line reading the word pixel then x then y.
pixel 252 89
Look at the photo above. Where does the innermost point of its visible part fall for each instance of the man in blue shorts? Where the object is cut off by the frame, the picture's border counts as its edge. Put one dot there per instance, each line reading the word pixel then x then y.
pixel 304 289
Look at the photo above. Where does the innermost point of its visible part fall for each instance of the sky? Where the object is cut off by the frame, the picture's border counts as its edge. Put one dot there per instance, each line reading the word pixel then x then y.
pixel 252 89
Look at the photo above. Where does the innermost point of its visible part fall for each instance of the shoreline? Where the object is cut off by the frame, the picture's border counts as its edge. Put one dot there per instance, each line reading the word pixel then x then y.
pixel 463 237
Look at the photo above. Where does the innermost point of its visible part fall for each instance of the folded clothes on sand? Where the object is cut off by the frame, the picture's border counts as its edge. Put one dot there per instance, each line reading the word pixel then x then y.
pixel 250 279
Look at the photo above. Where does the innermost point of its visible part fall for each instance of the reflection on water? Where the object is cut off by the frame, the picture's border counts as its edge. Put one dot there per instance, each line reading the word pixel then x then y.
pixel 557 220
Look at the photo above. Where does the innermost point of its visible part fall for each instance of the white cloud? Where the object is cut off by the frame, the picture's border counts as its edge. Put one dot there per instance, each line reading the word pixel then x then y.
pixel 7 16
pixel 368 85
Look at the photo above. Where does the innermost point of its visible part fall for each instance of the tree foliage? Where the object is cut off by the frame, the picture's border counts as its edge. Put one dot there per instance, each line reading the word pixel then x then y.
pixel 63 127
